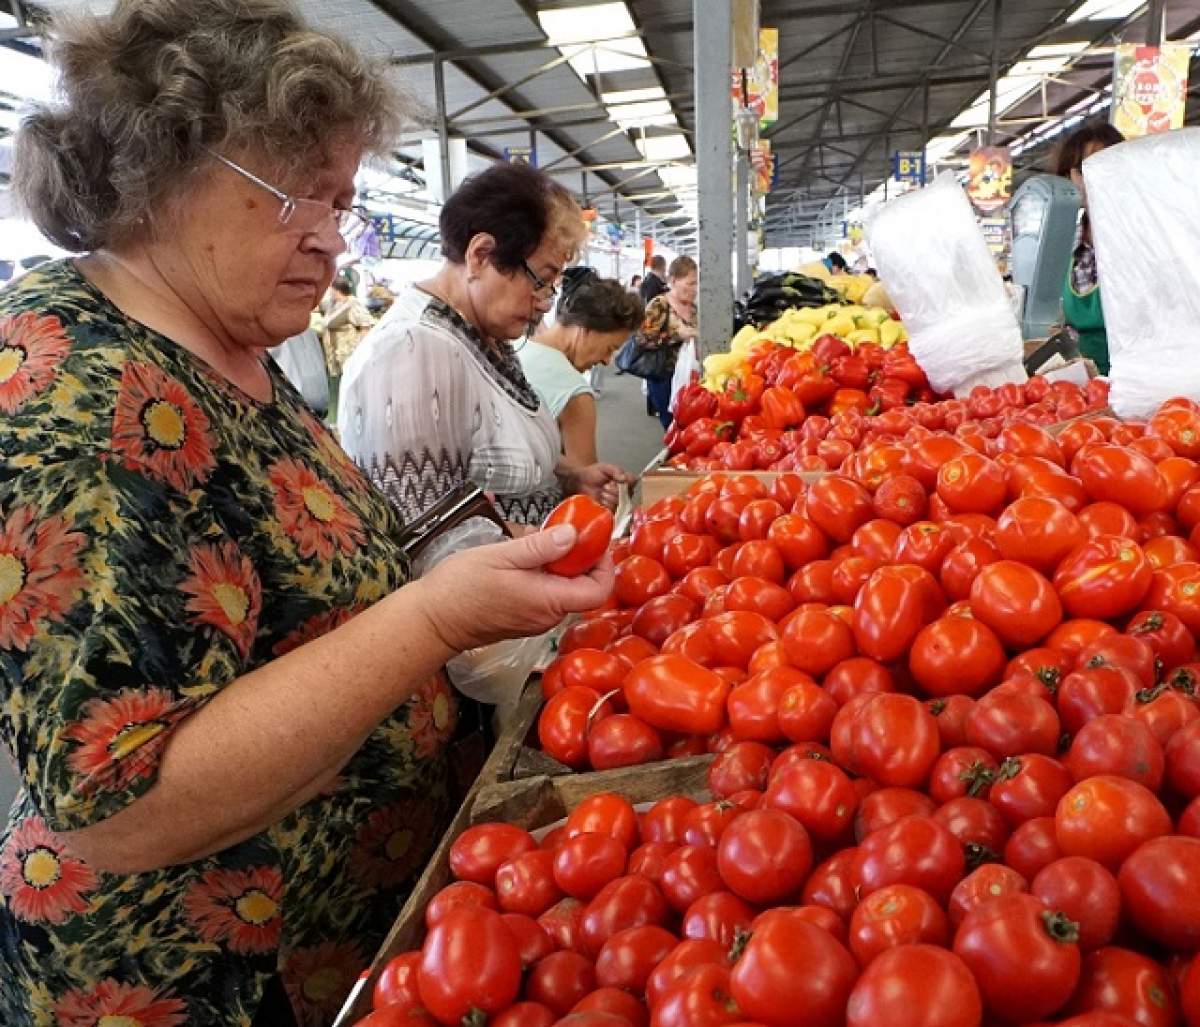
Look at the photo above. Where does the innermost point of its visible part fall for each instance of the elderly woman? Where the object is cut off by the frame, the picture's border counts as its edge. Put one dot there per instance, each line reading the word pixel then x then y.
pixel 223 698
pixel 670 321
pixel 594 316
pixel 435 395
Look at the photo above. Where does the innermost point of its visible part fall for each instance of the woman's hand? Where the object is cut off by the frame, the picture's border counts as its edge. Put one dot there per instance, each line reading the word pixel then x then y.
pixel 491 593
pixel 602 482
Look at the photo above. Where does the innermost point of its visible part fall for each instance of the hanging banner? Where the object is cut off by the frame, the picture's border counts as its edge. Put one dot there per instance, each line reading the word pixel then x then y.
pixel 1149 88
pixel 989 181
pixel 762 80
pixel 762 164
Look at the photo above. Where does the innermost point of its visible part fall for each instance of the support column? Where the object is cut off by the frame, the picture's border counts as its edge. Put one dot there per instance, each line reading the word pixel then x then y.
pixel 443 128
pixel 1154 23
pixel 713 21
pixel 995 72
pixel 742 230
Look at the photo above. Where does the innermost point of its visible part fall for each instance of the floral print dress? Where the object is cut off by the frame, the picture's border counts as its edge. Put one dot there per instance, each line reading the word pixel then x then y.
pixel 161 534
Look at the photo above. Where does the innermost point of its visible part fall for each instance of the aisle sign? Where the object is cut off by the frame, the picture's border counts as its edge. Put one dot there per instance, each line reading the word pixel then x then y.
pixel 1149 87
pixel 521 155
pixel 909 167
pixel 762 80
pixel 989 181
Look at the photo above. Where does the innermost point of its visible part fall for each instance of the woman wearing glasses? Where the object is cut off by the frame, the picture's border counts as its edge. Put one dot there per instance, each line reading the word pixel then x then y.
pixel 223 700
pixel 435 395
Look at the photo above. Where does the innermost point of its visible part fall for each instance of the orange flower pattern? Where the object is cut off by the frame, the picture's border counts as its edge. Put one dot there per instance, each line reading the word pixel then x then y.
pixel 41 881
pixel 161 535
pixel 31 347
pixel 39 574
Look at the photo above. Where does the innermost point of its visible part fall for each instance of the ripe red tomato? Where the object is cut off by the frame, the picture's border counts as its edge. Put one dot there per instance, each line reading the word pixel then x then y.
pixel 690 873
pixel 1106 818
pixel 626 902
pixel 673 693
pixel 705 824
pixel 798 540
pixel 766 987
pixel 759 596
pixel 623 740
pixel 605 813
pixel 971 483
pixel 753 706
pixel 1025 959
pixel 1158 888
pixel 1038 531
pixel 526 884
pixel 630 956
pixel 891 608
pixel 914 850
pixel 397 983
pixel 915 986
pixel 962 565
pixel 560 980
pixel 1121 475
pixel 978 826
pixel 1167 635
pixel 1086 893
pixel 660 618
pixel 818 794
pixel 988 882
pixel 735 636
pixel 759 558
pixel 885 806
pixel 896 915
pixel 639 579
pixel 458 894
pixel 895 740
pixel 1183 760
pixel 1116 744
pixel 564 923
pixel 838 506
pixel 962 770
pixel 588 634
pixel 594 527
pixel 1009 722
pixel 1104 578
pixel 1090 693
pixel 718 917
pixel 901 500
pixel 951 716
pixel 1117 981
pixel 816 640
pixel 533 943
pixel 924 544
pixel 743 766
pixel 686 956
pixel 1029 786
pixel 479 851
pixel 956 655
pixel 806 712
pixel 468 962
pixel 585 863
pixel 1016 602
pixel 524 1014
pixel 564 720
pixel 665 820
pixel 764 855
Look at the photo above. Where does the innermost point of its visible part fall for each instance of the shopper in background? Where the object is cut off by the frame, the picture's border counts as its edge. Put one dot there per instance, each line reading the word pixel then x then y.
pixel 346 322
pixel 1082 311
pixel 635 285
pixel 655 282
pixel 594 316
pixel 435 395
pixel 223 700
pixel 835 263
pixel 670 321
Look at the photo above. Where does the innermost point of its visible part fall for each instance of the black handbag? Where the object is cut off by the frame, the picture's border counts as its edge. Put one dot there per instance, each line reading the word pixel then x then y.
pixel 646 363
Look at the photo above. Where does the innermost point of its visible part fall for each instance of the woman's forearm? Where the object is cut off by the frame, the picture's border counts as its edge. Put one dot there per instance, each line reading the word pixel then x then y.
pixel 271 740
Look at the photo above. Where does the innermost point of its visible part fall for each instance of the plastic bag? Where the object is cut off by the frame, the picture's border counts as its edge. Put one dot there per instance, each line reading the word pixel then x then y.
pixel 686 367
pixel 943 281
pixel 492 674
pixel 1145 218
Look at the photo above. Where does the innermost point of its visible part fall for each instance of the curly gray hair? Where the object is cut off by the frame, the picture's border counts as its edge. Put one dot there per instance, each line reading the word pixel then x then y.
pixel 151 87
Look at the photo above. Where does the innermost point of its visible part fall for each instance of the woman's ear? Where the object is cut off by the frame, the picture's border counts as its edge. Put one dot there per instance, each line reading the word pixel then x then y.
pixel 480 251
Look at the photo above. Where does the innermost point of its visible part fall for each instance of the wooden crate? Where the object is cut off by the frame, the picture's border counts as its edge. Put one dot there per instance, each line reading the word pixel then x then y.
pixel 530 803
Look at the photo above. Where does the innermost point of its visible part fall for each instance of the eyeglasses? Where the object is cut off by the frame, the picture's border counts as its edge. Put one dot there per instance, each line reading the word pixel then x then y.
pixel 304 216
pixel 539 283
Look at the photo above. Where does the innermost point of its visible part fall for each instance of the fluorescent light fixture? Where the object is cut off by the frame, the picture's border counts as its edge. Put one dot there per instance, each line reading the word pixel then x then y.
pixel 1023 79
pixel 606 58
pixel 568 27
pixel 635 115
pixel 634 95
pixel 939 147
pixel 667 147
pixel 1102 10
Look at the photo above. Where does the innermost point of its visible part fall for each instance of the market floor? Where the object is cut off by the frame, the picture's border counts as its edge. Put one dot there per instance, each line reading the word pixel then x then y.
pixel 625 434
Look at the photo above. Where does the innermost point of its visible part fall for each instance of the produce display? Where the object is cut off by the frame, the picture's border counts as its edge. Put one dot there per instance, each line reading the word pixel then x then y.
pixel 951 698
pixel 773 408
pixel 772 295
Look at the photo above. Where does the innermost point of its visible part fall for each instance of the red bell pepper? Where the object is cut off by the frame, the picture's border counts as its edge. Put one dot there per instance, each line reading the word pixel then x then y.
pixel 740 397
pixel 828 348
pixel 694 402
pixel 781 408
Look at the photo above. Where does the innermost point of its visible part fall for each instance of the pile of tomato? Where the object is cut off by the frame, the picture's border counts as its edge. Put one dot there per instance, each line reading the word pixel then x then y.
pixel 779 419
pixel 951 697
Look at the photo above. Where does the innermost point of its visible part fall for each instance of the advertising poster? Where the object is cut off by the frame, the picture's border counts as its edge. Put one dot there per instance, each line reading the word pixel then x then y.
pixel 762 165
pixel 762 80
pixel 1149 88
pixel 989 182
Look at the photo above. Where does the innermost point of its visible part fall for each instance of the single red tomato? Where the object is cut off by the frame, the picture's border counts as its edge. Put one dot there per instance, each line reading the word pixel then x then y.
pixel 639 579
pixel 1120 475
pixel 588 634
pixel 896 915
pixel 623 740
pixel 560 980
pixel 593 525
pixel 1029 786
pixel 1032 846
pixel 892 607
pixel 479 851
pixel 956 656
pixel 1104 578
pixel 1176 589
pixel 459 894
pixel 524 1014
pixel 838 506
pixel 1159 891
pixel 951 716
pixel 1117 744
pixel 397 982
pixel 1129 984
pixel 914 850
pixel 962 770
pixel 858 675
pixel 924 544
pixel 764 855
pixel 1086 893
pixel 690 873
pixel 564 722
pixel 1106 818
pixel 818 794
pixel 1039 532
pixel 584 863
pixel 834 883
pixel 915 986
pixel 1016 602
pixel 526 884
pixel 885 806
pixel 977 825
pixel 665 820
pixel 971 483
pixel 962 565
pixel 605 813
pixel 1024 956
pixel 629 957
pixel 686 956
pixel 468 962
pixel 673 693
pixel 817 640
pixel 626 902
pixel 1011 722
pixel 985 883
pixel 895 740
pixel 1089 693
pixel 720 916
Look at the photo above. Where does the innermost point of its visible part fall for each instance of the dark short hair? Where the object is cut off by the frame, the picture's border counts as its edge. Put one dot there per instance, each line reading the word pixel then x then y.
pixel 837 260
pixel 515 204
pixel 1069 156
pixel 681 267
pixel 658 263
pixel 598 305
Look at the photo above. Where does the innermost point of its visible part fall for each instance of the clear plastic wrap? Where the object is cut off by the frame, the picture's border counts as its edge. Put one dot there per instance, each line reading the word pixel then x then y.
pixel 492 674
pixel 943 281
pixel 1145 218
